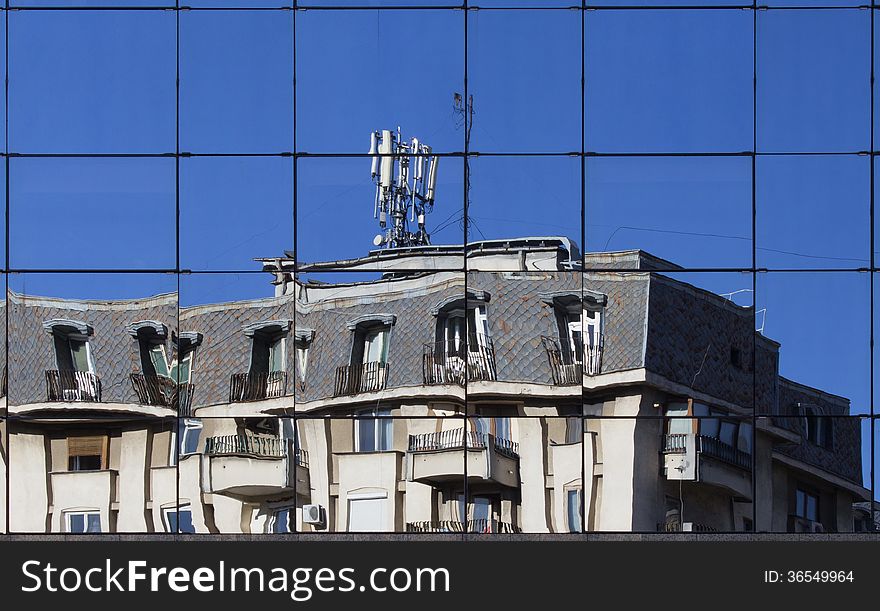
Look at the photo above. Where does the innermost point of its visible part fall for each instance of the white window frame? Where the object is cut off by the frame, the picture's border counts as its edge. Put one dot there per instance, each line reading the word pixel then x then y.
pixel 378 418
pixel 177 445
pixel 85 513
pixel 167 510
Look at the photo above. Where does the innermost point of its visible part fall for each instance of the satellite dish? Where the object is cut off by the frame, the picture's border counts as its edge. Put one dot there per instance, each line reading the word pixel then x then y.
pixel 377 241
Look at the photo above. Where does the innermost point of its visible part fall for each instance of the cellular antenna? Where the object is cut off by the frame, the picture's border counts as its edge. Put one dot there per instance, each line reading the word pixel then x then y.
pixel 405 174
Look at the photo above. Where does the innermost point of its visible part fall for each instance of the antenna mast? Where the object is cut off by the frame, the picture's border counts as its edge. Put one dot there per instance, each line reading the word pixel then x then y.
pixel 405 174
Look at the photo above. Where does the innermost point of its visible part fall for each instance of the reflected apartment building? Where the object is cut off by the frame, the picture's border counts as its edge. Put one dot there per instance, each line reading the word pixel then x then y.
pixel 542 391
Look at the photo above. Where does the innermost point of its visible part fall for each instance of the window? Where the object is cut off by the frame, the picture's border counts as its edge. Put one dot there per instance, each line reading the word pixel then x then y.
pixel 366 512
pixel 367 369
pixel 818 429
pixel 573 430
pixel 806 505
pixel 87 453
pixel 181 366
pixel 592 339
pixel 374 431
pixel 188 433
pixel 267 353
pixel 178 520
pixel 498 426
pixel 83 522
pixel 71 339
pixel 267 372
pixel 573 510
pixel 279 521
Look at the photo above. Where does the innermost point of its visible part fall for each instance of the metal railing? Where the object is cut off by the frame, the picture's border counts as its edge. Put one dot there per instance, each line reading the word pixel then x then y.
pixel 154 389
pixel 564 370
pixel 481 361
pixel 460 438
pixel 302 457
pixel 676 527
pixel 593 358
pixel 716 448
pixel 184 399
pixel 70 385
pixel 246 445
pixel 256 386
pixel 363 377
pixel 676 443
pixel 455 526
pixel 444 363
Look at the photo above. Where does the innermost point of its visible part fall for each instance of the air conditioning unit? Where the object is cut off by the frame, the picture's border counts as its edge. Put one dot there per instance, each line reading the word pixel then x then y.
pixel 313 514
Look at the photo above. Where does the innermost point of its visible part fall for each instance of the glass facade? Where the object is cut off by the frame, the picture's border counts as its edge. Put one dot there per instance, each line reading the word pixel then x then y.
pixel 639 294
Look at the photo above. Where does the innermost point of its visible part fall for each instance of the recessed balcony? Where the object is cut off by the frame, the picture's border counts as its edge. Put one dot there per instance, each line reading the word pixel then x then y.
pixel 701 458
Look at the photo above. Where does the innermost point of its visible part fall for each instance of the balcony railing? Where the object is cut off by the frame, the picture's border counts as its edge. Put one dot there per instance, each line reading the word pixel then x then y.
pixel 185 394
pixel 256 386
pixel 360 378
pixel 676 527
pixel 454 526
pixel 69 385
pixel 302 457
pixel 457 438
pixel 444 363
pixel 593 358
pixel 154 390
pixel 246 445
pixel 676 443
pixel 481 361
pixel 564 370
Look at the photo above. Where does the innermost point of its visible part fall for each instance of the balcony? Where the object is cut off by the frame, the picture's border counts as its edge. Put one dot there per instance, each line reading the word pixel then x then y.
pixel 680 527
pixel 154 390
pixel 185 394
pixel 444 363
pixel 247 466
pixel 436 458
pixel 481 361
pixel 454 526
pixel 257 386
pixel 69 385
pixel 692 457
pixel 564 370
pixel 73 489
pixel 360 378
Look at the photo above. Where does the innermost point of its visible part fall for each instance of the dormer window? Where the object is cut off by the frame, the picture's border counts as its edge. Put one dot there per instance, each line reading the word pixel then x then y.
pixel 74 380
pixel 154 385
pixel 818 429
pixel 267 372
pixel 72 351
pixel 462 348
pixel 368 366
pixel 151 336
pixel 577 348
